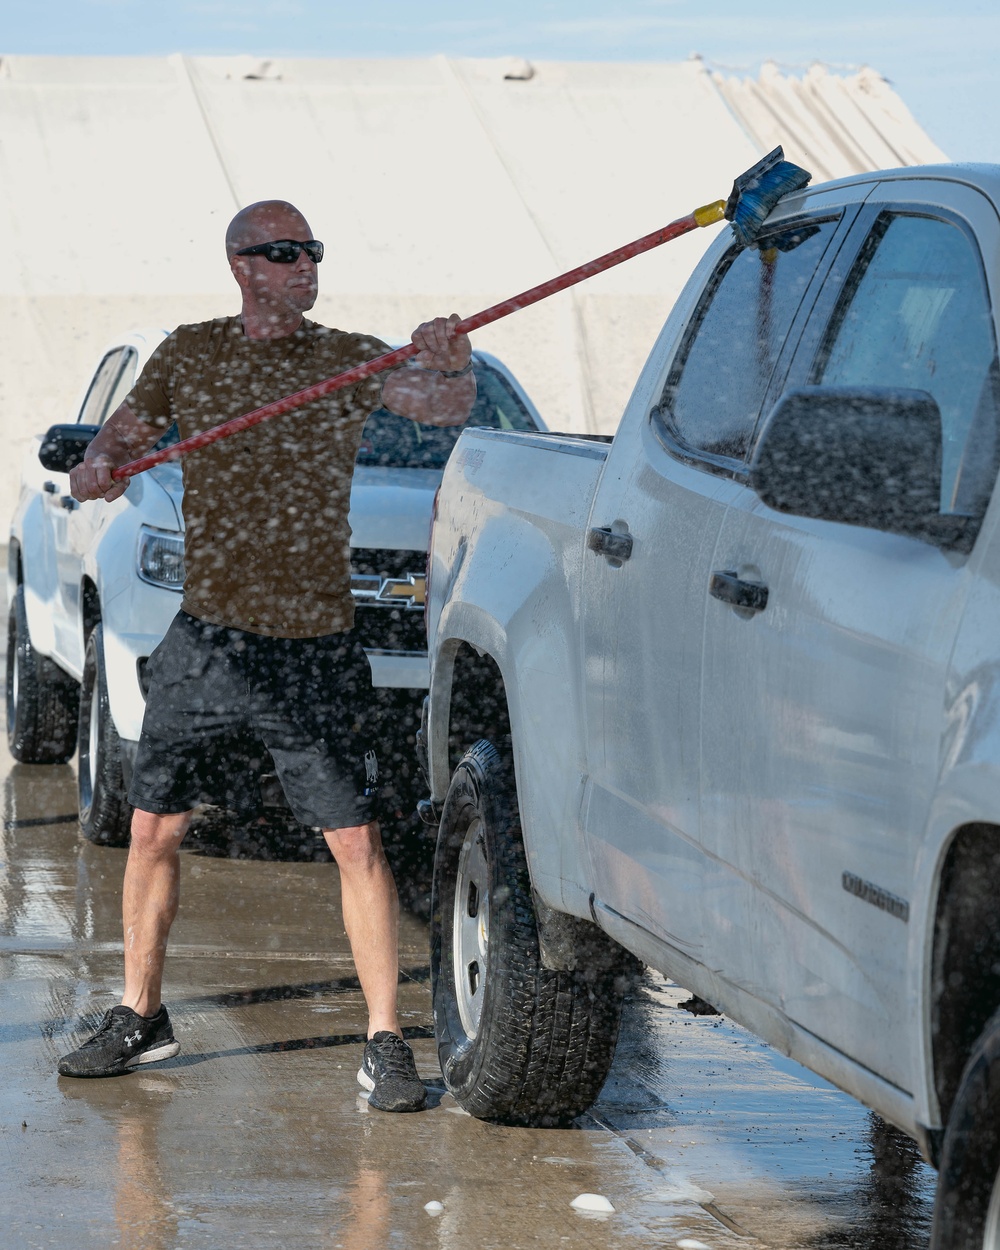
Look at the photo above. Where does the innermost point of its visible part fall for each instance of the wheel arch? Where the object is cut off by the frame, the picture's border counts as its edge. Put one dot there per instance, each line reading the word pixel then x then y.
pixel 964 971
pixel 465 659
pixel 477 705
pixel 473 696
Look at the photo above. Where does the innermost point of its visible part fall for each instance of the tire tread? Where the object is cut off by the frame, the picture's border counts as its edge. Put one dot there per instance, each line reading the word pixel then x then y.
pixel 547 1038
pixel 105 814
pixel 41 728
pixel 970 1155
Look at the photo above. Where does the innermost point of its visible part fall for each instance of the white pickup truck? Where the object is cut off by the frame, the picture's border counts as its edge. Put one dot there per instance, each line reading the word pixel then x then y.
pixel 724 692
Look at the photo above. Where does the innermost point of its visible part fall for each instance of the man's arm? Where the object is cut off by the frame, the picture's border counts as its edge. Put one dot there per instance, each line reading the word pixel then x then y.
pixel 123 437
pixel 424 393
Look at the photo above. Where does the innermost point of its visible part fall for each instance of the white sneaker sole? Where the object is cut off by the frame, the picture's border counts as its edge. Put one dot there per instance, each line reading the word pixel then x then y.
pixel 166 1051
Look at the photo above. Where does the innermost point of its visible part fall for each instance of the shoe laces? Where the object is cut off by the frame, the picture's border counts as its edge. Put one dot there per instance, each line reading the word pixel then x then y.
pixel 394 1054
pixel 107 1025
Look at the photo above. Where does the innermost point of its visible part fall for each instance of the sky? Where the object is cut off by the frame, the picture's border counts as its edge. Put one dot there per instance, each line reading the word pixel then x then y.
pixel 942 58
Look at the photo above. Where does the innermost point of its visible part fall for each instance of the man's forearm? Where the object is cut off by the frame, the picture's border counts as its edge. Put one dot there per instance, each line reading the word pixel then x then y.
pixel 110 442
pixel 122 438
pixel 427 395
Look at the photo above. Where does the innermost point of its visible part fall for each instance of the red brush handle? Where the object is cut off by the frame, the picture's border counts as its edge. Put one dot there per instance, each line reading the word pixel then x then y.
pixel 700 217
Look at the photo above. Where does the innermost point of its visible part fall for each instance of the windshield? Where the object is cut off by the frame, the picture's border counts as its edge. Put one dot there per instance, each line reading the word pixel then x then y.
pixel 393 441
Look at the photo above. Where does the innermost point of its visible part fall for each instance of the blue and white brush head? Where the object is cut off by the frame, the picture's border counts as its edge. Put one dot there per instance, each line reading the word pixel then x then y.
pixel 756 192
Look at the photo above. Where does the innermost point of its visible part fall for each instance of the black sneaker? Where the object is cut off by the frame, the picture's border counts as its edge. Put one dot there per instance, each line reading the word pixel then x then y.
pixel 388 1070
pixel 123 1040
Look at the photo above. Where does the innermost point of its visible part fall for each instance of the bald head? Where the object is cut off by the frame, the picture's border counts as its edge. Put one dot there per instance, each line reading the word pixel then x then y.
pixel 275 292
pixel 264 221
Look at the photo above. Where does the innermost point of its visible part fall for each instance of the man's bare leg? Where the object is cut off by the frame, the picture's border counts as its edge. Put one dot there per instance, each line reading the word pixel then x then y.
pixel 149 904
pixel 371 918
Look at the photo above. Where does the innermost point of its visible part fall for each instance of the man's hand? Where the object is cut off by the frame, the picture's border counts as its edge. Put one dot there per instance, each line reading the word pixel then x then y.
pixel 440 347
pixel 425 393
pixel 123 437
pixel 91 479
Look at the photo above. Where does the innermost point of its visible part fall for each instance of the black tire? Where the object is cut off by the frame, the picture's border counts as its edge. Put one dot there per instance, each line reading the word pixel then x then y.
pixel 105 815
pixel 42 700
pixel 518 1043
pixel 967 1203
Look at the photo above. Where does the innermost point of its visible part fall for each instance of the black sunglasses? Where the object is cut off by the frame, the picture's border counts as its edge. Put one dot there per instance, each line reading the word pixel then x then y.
pixel 285 251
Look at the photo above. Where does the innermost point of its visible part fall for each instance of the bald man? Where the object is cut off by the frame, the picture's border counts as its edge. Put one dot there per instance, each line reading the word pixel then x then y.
pixel 262 650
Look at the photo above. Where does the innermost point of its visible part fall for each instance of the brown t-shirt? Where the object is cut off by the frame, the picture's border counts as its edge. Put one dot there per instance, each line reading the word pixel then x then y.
pixel 267 543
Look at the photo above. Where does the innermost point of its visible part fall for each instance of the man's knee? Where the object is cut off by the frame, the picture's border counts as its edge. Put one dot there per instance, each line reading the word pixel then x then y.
pixel 357 846
pixel 156 834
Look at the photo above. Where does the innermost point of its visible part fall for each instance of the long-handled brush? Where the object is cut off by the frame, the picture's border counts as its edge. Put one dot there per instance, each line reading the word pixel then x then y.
pixel 754 195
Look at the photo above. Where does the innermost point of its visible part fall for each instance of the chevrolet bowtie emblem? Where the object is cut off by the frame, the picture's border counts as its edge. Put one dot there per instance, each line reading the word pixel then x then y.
pixel 409 588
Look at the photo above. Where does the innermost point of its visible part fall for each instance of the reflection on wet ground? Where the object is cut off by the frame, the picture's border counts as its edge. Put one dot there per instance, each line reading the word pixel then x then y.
pixel 255 1135
pixel 772 1151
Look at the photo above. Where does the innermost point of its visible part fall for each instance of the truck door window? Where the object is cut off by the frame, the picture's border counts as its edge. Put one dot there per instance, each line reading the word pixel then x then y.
pixel 916 313
pixel 124 383
pixel 117 368
pixel 717 384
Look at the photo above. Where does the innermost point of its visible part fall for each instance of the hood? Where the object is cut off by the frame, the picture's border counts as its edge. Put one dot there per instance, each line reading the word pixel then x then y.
pixel 391 508
pixel 165 483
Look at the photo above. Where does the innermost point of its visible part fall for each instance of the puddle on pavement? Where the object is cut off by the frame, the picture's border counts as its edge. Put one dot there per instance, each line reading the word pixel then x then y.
pixel 775 1152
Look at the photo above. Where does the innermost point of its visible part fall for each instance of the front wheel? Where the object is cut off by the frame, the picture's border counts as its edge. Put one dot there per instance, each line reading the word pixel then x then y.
pixel 41 698
pixel 518 1042
pixel 967 1203
pixel 105 816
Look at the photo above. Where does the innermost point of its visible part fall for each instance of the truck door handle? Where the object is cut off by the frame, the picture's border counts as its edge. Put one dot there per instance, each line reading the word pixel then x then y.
pixel 616 548
pixel 725 585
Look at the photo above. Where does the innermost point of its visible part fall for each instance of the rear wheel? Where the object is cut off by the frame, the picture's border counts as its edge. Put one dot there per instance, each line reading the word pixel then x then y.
pixel 518 1042
pixel 105 816
pixel 41 699
pixel 967 1204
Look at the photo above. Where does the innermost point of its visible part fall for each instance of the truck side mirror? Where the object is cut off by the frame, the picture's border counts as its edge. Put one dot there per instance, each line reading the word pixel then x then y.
pixel 64 446
pixel 868 456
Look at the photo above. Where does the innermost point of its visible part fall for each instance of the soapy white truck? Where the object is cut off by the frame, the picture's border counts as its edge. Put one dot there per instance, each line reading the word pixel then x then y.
pixel 722 693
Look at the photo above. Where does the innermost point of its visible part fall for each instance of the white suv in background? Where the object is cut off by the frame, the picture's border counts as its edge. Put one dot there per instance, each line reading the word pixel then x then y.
pixel 92 587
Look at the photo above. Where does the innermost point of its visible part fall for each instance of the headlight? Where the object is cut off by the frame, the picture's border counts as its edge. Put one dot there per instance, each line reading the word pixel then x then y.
pixel 161 558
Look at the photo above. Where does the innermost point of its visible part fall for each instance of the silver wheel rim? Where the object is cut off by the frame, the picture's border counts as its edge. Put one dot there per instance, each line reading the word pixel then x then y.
pixel 15 677
pixel 991 1237
pixel 471 929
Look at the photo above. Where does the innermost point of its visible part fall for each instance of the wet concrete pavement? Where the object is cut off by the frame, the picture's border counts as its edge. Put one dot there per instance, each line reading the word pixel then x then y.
pixel 255 1135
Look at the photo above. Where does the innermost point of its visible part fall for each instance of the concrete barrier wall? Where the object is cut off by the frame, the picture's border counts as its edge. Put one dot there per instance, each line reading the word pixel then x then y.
pixel 437 185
